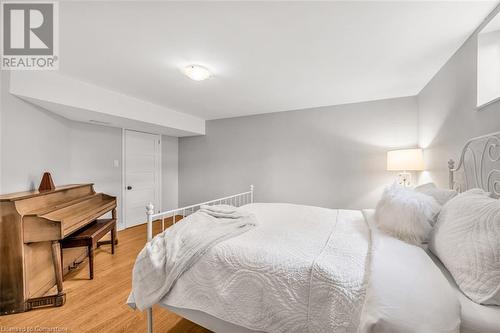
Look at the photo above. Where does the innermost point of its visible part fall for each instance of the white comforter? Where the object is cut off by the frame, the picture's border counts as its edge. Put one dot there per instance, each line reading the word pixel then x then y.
pixel 301 270
pixel 169 254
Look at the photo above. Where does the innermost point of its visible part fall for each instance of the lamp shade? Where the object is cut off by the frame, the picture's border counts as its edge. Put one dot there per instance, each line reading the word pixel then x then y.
pixel 405 160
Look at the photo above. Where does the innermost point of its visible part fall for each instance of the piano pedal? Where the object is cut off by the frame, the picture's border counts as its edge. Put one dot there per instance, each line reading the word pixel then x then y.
pixel 46 301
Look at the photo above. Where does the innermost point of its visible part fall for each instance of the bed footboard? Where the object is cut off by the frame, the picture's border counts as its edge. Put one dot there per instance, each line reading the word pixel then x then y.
pixel 236 200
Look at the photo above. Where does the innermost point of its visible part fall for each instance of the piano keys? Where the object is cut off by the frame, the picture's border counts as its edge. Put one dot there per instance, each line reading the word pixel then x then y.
pixel 31 227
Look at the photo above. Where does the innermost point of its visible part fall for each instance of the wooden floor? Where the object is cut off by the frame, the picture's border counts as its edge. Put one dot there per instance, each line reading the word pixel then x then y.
pixel 99 305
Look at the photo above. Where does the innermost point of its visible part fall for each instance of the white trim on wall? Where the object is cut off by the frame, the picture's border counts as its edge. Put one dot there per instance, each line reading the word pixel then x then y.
pixel 160 174
pixel 121 224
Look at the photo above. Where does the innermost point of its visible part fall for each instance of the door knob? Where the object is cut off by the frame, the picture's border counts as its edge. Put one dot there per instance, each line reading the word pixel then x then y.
pixel 129 187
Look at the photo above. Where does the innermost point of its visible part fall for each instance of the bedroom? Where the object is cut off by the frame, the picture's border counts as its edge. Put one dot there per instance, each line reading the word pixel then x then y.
pixel 297 112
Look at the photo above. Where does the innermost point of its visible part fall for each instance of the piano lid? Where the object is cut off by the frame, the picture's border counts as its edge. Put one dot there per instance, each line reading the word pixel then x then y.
pixel 36 193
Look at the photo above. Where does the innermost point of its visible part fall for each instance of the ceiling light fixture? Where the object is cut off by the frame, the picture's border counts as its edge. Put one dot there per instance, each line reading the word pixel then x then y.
pixel 197 72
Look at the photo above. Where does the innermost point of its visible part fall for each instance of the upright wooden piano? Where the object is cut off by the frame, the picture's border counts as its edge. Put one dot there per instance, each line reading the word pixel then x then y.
pixel 31 226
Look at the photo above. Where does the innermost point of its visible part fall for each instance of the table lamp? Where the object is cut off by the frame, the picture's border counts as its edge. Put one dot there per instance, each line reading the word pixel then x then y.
pixel 405 160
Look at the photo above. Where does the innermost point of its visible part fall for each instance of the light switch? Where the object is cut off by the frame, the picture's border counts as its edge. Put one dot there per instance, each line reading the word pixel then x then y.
pixel 116 163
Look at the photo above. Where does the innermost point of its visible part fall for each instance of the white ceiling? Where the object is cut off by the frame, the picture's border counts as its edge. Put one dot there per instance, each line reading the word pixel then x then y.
pixel 266 56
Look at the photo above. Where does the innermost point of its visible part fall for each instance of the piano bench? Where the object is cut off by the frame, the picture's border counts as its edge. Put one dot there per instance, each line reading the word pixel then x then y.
pixel 89 236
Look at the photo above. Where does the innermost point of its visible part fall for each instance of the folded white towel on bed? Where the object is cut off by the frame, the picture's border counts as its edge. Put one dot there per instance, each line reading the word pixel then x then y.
pixel 222 211
pixel 168 255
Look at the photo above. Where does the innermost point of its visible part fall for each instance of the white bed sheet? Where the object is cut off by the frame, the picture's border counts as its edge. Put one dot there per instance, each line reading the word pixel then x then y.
pixel 210 322
pixel 476 318
pixel 406 293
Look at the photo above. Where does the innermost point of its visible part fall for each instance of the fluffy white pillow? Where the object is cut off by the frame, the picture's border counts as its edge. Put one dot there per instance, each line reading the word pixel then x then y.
pixel 467 241
pixel 406 214
pixel 441 195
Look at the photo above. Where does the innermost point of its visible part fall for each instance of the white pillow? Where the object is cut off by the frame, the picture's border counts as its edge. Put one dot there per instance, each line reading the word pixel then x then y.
pixel 441 195
pixel 467 241
pixel 406 214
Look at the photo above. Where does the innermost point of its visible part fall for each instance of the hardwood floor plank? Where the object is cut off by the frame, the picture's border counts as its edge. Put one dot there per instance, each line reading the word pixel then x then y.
pixel 99 305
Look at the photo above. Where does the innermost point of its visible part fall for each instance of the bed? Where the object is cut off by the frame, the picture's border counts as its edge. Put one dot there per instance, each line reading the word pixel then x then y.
pixel 273 278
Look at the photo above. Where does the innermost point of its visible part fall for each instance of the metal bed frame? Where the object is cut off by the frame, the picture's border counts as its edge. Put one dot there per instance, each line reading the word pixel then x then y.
pixel 236 200
pixel 479 165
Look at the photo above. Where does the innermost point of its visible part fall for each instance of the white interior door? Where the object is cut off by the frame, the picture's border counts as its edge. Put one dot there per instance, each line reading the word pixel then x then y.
pixel 142 175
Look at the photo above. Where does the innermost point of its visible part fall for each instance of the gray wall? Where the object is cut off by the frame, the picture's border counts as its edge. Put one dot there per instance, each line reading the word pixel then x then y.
pixel 330 157
pixel 448 115
pixel 33 140
pixel 93 150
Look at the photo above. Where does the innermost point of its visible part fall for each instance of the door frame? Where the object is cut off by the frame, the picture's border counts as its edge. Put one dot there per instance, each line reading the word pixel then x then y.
pixel 123 224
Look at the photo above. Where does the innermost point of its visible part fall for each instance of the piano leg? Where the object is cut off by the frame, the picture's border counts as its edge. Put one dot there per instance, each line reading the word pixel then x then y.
pixel 52 300
pixel 62 259
pixel 56 258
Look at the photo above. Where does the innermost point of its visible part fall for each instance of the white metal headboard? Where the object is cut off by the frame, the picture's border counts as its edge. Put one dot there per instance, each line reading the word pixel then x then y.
pixel 479 165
